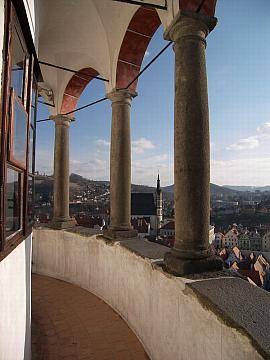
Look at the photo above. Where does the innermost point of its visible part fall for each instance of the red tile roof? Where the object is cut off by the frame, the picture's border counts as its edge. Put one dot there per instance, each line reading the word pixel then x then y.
pixel 252 275
pixel 169 226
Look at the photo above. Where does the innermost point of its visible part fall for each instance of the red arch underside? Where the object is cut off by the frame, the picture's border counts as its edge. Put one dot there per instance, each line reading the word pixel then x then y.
pixel 207 9
pixel 138 35
pixel 75 87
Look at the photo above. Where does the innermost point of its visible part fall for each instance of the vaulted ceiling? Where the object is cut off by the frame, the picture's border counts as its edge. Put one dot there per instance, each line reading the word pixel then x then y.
pixel 102 37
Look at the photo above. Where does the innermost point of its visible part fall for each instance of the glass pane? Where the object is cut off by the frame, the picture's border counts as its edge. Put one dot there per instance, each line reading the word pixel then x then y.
pixel 13 202
pixel 19 133
pixel 30 200
pixel 33 103
pixel 18 61
pixel 31 148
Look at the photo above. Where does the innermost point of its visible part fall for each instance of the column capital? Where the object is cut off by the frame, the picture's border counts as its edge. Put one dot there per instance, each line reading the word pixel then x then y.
pixel 124 96
pixel 61 119
pixel 189 24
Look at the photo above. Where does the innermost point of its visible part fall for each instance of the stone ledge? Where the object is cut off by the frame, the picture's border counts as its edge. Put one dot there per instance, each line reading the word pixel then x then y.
pixel 119 235
pixel 80 230
pixel 145 248
pixel 240 305
pixel 226 315
pixel 84 231
pixel 62 225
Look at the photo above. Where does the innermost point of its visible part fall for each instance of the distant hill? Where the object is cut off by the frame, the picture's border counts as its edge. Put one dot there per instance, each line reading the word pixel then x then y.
pixel 78 184
pixel 214 189
pixel 78 179
pixel 247 188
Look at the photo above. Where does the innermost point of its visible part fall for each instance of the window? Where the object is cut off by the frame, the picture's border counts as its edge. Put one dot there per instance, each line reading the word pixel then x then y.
pixel 18 65
pixel 18 131
pixel 31 155
pixel 19 94
pixel 13 202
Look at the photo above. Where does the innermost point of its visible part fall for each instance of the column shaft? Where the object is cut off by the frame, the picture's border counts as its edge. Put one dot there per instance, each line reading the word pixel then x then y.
pixel 191 146
pixel 61 218
pixel 120 166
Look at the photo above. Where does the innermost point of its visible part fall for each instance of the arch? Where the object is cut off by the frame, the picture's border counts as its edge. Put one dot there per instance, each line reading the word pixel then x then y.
pixel 75 87
pixel 208 6
pixel 140 31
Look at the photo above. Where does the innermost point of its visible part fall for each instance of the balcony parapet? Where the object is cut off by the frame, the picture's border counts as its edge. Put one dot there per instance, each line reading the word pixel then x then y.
pixel 209 316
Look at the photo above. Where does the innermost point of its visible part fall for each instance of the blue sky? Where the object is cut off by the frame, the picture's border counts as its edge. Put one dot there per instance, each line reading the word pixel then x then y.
pixel 238 65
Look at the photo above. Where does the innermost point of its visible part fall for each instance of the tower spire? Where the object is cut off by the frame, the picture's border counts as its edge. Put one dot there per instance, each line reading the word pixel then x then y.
pixel 159 206
pixel 158 183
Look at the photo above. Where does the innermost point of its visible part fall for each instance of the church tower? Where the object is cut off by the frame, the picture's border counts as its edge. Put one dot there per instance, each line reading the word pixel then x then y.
pixel 159 205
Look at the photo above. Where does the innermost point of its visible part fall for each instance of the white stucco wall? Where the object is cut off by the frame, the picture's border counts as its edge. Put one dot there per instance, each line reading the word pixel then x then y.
pixel 167 318
pixel 15 314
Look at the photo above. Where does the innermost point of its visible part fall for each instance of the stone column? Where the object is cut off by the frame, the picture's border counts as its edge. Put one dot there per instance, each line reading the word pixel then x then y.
pixel 61 218
pixel 191 253
pixel 120 166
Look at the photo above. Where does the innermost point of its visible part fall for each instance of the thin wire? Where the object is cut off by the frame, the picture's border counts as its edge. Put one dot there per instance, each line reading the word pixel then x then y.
pixel 149 64
pixel 80 108
pixel 77 72
pixel 45 103
pixel 43 120
pixel 150 5
pixel 105 98
pixel 86 106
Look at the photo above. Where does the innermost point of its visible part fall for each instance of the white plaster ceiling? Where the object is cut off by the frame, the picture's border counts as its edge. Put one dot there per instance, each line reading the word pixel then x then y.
pixel 85 33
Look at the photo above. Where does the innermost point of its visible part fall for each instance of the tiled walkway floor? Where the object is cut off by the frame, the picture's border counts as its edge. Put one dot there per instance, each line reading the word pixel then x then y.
pixel 71 323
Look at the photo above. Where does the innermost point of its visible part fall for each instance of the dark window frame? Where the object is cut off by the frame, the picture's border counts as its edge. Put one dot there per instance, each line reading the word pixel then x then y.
pixel 19 233
pixel 16 19
pixel 14 99
pixel 15 28
pixel 31 166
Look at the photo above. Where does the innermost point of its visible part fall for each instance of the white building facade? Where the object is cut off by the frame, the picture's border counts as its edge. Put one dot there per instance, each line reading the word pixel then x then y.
pixel 230 239
pixel 266 242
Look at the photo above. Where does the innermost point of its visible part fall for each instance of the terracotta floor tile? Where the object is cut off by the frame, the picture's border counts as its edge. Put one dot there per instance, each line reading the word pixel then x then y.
pixel 70 323
pixel 123 355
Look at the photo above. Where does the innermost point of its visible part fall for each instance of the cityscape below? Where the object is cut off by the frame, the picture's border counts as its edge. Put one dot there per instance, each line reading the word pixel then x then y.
pixel 239 230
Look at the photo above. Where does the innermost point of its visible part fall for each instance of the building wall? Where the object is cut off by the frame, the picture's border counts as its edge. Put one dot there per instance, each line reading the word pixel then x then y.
pixel 211 234
pixel 170 321
pixel 266 242
pixel 15 282
pixel 230 239
pixel 166 232
pixel 244 241
pixel 15 314
pixel 255 242
pixel 218 241
pixel 153 219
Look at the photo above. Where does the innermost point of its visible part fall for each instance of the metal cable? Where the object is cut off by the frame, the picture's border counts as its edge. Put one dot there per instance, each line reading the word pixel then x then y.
pixel 80 108
pixel 149 64
pixel 150 5
pixel 136 77
pixel 77 72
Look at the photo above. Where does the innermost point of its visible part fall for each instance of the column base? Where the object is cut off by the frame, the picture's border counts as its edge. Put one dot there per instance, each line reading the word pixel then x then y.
pixel 120 234
pixel 62 224
pixel 181 267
